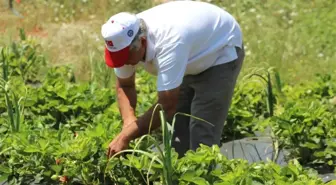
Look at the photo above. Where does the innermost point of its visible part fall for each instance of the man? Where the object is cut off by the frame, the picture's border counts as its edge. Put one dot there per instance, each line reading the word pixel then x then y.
pixel 196 51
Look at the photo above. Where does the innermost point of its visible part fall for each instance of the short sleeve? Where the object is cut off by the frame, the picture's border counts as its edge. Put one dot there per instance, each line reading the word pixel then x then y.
pixel 171 62
pixel 124 71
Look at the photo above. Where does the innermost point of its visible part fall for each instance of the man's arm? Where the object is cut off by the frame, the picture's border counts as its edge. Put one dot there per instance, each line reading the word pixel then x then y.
pixel 168 100
pixel 173 61
pixel 172 65
pixel 127 99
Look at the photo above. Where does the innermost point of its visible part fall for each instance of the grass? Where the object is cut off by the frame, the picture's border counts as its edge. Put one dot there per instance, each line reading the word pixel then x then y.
pixel 296 37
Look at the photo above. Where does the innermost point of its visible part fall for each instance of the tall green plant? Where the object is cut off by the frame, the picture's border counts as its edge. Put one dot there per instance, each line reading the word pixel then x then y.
pixel 269 91
pixel 271 102
pixel 14 110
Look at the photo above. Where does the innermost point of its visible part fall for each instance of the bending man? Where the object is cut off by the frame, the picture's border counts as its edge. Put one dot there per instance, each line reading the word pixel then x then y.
pixel 196 51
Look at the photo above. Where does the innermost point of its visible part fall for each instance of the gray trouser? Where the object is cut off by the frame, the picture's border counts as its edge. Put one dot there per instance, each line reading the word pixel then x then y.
pixel 208 96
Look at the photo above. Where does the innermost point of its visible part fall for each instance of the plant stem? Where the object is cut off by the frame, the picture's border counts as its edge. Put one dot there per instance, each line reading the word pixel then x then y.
pixel 167 151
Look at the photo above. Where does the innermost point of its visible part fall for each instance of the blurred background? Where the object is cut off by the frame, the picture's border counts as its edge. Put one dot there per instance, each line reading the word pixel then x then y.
pixel 296 36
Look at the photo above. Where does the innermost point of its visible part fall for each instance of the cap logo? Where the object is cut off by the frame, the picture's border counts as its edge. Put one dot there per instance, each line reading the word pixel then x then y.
pixel 109 43
pixel 130 33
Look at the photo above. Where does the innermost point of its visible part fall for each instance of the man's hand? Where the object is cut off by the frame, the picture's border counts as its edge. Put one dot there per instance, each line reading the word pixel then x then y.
pixel 119 143
pixel 134 128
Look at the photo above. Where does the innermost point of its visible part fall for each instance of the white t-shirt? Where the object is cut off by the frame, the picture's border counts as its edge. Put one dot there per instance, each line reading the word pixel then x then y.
pixel 185 38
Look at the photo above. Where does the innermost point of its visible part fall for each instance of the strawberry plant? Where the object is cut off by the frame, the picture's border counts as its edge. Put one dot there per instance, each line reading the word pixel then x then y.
pixel 248 104
pixel 322 88
pixel 24 59
pixel 307 109
pixel 253 102
pixel 315 147
pixel 207 166
pixel 56 130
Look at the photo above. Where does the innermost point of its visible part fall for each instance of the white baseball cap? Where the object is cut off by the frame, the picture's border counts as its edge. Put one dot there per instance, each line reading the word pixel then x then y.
pixel 118 33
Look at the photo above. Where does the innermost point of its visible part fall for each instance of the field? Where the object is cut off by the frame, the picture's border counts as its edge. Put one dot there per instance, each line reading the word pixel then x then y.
pixel 58 109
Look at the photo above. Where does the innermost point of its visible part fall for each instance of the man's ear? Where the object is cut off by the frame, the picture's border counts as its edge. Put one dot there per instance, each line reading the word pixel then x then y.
pixel 143 42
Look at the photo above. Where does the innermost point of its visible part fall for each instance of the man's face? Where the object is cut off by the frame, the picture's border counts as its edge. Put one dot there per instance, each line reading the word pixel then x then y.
pixel 135 56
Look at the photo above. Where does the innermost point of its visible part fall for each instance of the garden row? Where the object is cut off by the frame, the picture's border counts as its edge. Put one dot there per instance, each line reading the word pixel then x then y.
pixel 54 129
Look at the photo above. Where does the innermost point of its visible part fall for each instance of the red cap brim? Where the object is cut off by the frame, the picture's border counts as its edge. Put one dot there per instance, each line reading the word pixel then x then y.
pixel 116 59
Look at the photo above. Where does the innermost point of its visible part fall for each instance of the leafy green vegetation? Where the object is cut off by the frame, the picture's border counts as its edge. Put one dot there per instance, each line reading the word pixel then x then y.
pixel 57 120
pixel 54 129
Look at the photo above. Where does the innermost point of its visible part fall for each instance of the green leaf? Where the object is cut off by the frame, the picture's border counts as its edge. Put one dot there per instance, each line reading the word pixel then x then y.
pixel 98 132
pixel 311 145
pixel 330 151
pixel 22 34
pixel 47 173
pixel 133 162
pixel 56 168
pixel 85 104
pixel 319 153
pixel 62 108
pixel 38 178
pixel 61 91
pixel 331 143
pixel 3 129
pixel 333 182
pixel 4 177
pixel 43 144
pixel 191 176
pixel 5 169
pixel 32 149
pixel 317 130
